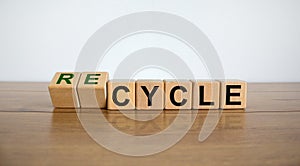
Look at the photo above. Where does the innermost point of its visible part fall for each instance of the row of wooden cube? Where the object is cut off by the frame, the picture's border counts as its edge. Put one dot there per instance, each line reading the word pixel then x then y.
pixel 94 90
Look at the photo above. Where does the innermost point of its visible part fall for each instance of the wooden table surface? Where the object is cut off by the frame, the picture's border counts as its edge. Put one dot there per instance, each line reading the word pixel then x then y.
pixel 32 132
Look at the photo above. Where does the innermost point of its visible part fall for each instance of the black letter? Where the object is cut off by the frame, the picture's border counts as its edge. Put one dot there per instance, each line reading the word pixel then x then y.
pixel 149 95
pixel 114 97
pixel 201 100
pixel 228 94
pixel 183 89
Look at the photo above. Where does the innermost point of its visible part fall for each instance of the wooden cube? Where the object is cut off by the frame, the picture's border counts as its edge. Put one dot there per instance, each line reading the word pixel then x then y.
pixel 149 94
pixel 178 94
pixel 92 89
pixel 206 94
pixel 121 94
pixel 233 94
pixel 63 91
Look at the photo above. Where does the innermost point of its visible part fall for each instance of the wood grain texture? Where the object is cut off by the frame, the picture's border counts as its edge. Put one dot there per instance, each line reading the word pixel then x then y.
pixel 267 133
pixel 58 138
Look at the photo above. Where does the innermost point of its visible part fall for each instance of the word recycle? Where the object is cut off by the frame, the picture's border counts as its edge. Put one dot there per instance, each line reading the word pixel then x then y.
pixel 95 90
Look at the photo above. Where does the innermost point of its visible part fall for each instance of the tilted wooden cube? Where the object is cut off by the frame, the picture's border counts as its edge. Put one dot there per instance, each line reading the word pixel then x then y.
pixel 92 89
pixel 63 90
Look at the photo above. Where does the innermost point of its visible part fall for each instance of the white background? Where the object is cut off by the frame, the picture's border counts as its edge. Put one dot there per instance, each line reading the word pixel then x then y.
pixel 257 40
